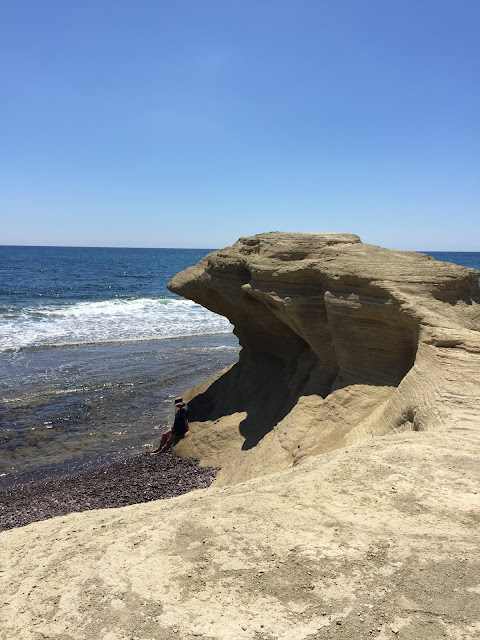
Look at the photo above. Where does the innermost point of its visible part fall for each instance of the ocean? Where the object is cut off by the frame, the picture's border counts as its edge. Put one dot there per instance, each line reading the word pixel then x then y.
pixel 93 349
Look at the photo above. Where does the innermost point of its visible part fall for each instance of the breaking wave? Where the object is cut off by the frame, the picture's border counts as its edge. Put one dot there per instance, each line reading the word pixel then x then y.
pixel 116 320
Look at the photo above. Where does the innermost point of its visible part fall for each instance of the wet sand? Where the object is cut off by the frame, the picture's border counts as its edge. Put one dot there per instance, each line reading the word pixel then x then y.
pixel 137 479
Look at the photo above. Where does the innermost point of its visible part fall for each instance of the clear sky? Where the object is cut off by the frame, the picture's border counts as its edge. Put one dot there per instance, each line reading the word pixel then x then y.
pixel 189 123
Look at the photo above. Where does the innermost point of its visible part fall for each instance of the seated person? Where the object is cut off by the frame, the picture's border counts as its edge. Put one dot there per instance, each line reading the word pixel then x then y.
pixel 171 436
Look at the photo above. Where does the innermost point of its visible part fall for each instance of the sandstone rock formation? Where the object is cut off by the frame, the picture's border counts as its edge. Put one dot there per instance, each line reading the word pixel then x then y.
pixel 355 406
pixel 342 341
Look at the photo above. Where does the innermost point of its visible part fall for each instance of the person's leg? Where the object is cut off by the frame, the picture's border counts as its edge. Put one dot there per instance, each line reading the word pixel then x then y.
pixel 165 436
pixel 168 443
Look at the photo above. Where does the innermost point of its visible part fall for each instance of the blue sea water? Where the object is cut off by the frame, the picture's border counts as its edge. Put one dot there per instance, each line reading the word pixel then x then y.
pixel 67 295
pixel 93 347
pixel 465 258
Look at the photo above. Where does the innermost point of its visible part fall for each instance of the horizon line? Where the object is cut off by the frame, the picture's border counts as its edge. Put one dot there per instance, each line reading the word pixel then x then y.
pixel 68 246
pixel 82 246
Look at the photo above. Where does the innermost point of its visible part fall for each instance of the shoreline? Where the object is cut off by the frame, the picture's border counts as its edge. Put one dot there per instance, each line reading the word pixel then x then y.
pixel 137 479
pixel 98 401
pixel 119 341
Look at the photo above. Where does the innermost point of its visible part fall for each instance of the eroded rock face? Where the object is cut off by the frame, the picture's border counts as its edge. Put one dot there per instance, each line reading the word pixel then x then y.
pixel 341 341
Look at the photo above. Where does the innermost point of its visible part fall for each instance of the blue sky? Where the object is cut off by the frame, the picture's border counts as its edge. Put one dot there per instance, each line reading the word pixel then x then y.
pixel 190 123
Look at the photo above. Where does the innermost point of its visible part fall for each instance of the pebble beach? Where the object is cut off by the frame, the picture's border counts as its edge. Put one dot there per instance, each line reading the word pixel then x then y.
pixel 140 478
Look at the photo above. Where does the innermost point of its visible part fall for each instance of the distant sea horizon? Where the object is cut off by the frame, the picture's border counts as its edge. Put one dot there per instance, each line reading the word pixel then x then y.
pixel 207 249
pixel 84 246
pixel 93 348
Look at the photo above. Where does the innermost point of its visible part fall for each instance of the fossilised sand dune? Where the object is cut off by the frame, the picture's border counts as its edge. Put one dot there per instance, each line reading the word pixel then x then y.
pixel 342 341
pixel 368 537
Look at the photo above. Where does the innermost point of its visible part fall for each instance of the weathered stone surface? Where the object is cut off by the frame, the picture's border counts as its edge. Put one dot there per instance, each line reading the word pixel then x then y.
pixel 382 535
pixel 342 341
pixel 357 393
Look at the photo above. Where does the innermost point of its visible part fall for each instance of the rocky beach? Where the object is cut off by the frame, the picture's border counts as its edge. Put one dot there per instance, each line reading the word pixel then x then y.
pixel 134 480
pixel 347 438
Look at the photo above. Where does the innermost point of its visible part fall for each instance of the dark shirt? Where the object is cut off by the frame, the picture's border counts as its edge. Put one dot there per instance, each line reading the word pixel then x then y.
pixel 179 428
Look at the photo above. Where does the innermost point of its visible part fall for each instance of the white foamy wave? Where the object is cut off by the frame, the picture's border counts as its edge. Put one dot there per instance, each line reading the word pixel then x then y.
pixel 108 320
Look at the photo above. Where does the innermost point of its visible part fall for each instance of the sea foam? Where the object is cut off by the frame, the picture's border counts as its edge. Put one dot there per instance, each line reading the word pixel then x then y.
pixel 115 320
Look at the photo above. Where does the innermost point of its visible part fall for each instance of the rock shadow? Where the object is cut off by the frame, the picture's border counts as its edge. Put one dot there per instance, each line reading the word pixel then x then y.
pixel 273 372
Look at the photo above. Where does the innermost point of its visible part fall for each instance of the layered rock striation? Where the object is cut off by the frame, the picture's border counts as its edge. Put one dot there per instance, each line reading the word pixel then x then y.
pixel 341 341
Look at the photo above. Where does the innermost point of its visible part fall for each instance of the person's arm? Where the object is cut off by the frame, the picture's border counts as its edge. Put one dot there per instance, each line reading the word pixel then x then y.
pixel 186 426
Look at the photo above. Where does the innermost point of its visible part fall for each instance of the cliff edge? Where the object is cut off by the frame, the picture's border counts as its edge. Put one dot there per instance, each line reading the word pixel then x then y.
pixel 341 342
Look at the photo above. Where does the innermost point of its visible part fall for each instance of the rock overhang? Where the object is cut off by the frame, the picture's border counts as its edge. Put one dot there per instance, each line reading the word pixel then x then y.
pixel 328 317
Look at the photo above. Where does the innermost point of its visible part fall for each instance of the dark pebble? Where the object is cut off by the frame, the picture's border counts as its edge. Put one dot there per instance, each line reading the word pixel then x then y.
pixel 138 479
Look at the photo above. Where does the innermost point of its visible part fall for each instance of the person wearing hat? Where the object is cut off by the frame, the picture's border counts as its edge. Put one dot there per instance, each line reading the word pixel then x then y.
pixel 171 436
